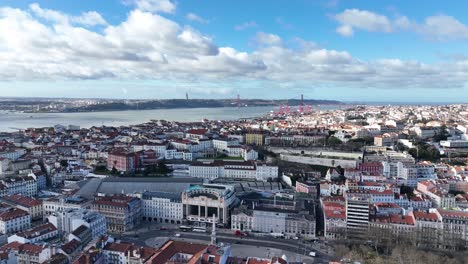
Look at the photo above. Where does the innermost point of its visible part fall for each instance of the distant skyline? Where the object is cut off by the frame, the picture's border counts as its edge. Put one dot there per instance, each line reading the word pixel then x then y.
pixel 355 50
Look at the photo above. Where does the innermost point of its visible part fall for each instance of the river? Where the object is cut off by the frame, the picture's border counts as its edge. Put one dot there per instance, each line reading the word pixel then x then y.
pixel 11 121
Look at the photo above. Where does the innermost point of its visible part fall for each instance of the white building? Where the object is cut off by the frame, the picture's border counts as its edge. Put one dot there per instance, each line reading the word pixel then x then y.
pixel 69 220
pixel 13 154
pixel 26 186
pixel 35 235
pixel 14 220
pixel 233 170
pixel 201 202
pixel 273 221
pixel 53 205
pixel 222 144
pixel 162 207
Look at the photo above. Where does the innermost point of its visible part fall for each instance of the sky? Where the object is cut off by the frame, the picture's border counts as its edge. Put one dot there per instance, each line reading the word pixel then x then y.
pixel 353 50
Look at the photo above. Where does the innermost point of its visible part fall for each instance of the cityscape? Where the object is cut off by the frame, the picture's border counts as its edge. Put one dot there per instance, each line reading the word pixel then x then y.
pixel 145 132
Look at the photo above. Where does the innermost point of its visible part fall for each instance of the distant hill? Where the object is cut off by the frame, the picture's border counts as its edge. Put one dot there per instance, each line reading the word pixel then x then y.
pixel 191 103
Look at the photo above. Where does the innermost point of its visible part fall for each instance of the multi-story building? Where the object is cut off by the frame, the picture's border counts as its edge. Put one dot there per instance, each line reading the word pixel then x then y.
pixel 357 213
pixel 373 168
pixel 425 132
pixel 70 219
pixel 26 186
pixel 27 253
pixel 122 212
pixel 35 235
pixel 255 138
pixel 273 221
pixel 82 234
pixel 455 224
pixel 32 206
pixel 122 161
pixel 123 253
pixel 222 144
pixel 409 174
pixel 14 220
pixel 201 202
pixel 162 207
pixel 12 153
pixel 396 224
pixel 334 219
pixel 235 170
pixel 249 153
pixel 308 187
pixel 440 196
pixel 430 227
pixel 59 204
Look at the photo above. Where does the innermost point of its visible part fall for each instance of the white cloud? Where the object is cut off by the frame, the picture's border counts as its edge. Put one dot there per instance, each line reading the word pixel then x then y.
pixel 345 30
pixel 442 27
pixel 246 25
pixel 196 18
pixel 154 6
pixel 263 38
pixel 31 49
pixel 437 27
pixel 361 19
pixel 91 18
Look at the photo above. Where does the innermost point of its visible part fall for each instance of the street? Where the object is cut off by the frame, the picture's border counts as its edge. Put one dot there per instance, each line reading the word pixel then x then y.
pixel 150 234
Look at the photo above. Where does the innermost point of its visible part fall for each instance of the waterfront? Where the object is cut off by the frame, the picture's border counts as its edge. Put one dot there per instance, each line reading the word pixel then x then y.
pixel 11 121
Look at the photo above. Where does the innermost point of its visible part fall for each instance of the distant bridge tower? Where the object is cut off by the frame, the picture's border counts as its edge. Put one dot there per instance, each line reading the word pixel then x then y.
pixel 186 96
pixel 238 101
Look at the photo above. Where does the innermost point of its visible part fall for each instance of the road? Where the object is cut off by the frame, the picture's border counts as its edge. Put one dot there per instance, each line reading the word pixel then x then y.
pixel 150 235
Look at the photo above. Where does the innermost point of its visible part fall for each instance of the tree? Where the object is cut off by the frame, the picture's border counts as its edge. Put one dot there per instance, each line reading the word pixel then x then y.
pixel 114 171
pixel 64 163
pixel 333 141
pixel 442 134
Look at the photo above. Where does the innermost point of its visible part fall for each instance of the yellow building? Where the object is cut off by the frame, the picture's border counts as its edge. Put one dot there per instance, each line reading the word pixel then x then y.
pixel 257 139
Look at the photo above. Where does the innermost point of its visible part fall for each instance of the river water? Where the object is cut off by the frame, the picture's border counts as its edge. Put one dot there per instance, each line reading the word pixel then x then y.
pixel 10 121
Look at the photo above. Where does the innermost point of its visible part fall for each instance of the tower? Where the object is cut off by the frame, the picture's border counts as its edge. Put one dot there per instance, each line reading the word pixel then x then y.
pixel 186 96
pixel 213 231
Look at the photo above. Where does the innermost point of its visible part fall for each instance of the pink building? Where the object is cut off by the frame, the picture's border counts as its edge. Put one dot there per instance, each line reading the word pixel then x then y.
pixel 122 161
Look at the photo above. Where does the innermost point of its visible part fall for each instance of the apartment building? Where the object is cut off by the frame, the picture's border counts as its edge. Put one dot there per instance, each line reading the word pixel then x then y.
pixel 27 253
pixel 357 213
pixel 122 213
pixel 35 235
pixel 334 219
pixel 122 160
pixel 14 220
pixel 284 222
pixel 32 206
pixel 162 207
pixel 59 204
pixel 70 219
pixel 26 186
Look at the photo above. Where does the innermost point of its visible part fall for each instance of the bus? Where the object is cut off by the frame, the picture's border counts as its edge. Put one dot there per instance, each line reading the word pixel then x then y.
pixel 199 230
pixel 185 228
